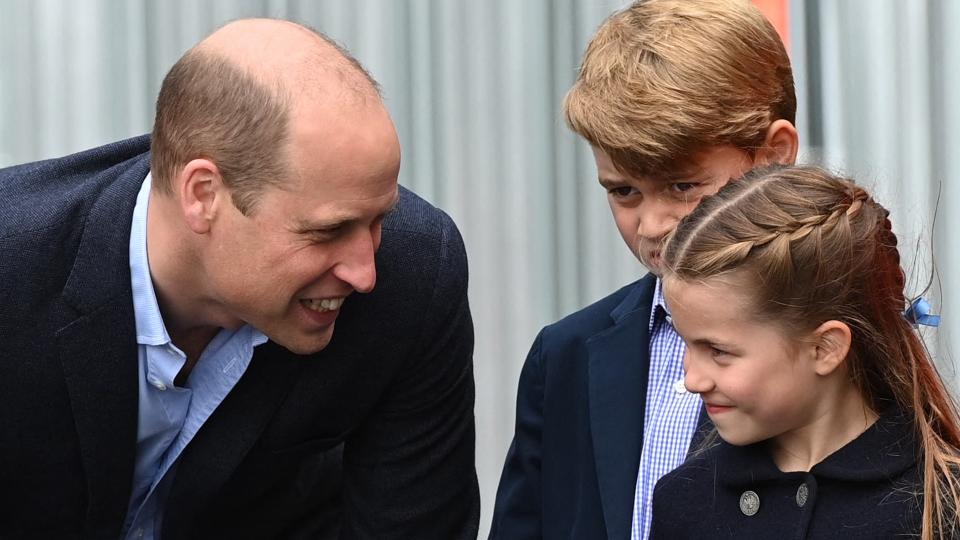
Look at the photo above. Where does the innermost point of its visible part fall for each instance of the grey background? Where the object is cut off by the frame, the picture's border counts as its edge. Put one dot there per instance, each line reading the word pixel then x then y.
pixel 475 89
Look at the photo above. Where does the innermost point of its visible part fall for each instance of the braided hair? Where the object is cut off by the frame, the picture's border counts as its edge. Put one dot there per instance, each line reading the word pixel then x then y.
pixel 819 248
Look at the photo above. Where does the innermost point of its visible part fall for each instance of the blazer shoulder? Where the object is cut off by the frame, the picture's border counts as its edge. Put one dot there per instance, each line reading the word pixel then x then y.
pixel 49 193
pixel 428 234
pixel 598 316
pixel 415 215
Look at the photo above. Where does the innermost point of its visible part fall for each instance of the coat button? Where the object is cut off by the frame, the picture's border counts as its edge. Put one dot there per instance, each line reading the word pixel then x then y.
pixel 749 503
pixel 802 493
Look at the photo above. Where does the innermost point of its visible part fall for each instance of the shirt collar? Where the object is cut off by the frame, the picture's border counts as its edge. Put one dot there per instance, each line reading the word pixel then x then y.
pixel 149 322
pixel 658 302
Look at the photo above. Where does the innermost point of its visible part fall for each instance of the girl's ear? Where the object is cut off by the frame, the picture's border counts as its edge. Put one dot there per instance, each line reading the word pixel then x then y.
pixel 832 341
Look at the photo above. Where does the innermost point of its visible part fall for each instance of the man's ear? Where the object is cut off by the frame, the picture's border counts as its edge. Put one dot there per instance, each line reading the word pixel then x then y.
pixel 832 344
pixel 199 184
pixel 780 145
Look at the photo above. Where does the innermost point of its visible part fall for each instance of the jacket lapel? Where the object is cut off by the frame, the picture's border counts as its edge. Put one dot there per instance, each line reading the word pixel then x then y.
pixel 98 352
pixel 215 452
pixel 617 371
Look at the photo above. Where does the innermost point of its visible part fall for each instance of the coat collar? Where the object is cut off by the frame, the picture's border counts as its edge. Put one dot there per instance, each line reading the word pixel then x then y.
pixel 884 450
pixel 617 380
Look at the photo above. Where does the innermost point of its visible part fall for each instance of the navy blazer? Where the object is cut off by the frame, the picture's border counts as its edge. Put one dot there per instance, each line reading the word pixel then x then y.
pixel 571 470
pixel 373 437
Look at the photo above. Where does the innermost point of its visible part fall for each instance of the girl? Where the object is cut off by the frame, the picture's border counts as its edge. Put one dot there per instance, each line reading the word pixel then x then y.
pixel 787 289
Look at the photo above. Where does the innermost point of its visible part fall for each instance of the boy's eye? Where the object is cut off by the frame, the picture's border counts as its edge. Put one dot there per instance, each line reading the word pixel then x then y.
pixel 682 187
pixel 622 191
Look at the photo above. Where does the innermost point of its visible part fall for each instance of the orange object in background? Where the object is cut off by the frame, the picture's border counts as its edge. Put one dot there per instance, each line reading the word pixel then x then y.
pixel 778 12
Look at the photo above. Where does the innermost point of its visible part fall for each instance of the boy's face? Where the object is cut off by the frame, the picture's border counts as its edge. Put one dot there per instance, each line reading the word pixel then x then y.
pixel 647 209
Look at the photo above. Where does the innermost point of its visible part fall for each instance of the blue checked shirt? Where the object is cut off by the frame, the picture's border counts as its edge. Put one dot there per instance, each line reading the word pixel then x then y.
pixel 671 414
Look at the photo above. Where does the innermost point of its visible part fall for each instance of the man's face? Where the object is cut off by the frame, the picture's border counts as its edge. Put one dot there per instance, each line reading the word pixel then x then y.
pixel 286 268
pixel 646 210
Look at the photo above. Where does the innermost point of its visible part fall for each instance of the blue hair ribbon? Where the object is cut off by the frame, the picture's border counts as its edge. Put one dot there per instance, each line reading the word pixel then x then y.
pixel 919 313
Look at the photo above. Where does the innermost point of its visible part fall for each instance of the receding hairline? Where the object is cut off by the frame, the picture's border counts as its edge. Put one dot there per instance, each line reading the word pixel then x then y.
pixel 285 54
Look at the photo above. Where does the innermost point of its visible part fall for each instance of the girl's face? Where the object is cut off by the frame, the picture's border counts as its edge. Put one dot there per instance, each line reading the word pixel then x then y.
pixel 756 381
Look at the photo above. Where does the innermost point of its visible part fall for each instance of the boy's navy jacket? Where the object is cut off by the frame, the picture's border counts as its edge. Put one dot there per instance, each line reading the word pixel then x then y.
pixel 373 436
pixel 869 489
pixel 571 471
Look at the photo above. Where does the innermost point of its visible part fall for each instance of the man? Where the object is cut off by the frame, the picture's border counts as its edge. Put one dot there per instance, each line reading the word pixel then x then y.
pixel 184 354
pixel 676 98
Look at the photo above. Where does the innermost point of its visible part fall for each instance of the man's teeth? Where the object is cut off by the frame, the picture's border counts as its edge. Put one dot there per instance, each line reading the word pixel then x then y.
pixel 327 304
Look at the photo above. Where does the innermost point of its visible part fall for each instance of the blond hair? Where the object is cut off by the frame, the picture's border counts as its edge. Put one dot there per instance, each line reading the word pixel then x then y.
pixel 819 248
pixel 663 79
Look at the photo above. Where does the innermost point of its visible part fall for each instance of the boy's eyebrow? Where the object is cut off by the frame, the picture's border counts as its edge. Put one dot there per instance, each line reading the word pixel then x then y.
pixel 609 182
pixel 682 174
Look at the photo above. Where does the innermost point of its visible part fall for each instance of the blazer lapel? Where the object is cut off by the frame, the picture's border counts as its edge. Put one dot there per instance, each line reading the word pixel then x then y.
pixel 98 352
pixel 617 371
pixel 227 436
pixel 99 358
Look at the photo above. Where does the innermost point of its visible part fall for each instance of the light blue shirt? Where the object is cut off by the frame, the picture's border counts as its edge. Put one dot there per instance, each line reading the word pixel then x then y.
pixel 169 416
pixel 671 413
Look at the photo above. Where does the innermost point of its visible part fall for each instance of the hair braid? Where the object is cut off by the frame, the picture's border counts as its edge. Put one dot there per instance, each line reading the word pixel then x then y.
pixel 815 247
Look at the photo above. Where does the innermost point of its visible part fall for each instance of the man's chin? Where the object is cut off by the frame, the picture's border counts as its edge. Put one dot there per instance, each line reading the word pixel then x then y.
pixel 305 344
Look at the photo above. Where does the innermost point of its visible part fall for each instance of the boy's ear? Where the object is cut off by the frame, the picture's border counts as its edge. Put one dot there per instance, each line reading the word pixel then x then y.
pixel 832 341
pixel 780 145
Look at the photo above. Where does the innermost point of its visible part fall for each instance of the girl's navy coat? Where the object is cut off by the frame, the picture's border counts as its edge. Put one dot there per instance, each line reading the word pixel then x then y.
pixel 870 488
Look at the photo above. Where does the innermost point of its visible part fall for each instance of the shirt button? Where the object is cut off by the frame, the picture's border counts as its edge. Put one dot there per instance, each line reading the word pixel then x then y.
pixel 802 493
pixel 679 388
pixel 158 385
pixel 139 533
pixel 749 503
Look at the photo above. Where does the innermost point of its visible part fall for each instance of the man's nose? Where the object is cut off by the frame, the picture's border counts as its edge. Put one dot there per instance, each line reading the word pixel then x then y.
pixel 356 266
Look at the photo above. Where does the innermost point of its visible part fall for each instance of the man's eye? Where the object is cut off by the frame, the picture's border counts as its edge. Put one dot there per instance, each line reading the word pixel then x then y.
pixel 623 191
pixel 323 235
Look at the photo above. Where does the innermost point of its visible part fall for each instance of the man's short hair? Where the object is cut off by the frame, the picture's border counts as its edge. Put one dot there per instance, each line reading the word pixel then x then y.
pixel 663 79
pixel 211 108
